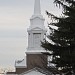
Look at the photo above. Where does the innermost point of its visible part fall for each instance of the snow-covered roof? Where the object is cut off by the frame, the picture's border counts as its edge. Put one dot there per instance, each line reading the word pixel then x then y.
pixel 37 71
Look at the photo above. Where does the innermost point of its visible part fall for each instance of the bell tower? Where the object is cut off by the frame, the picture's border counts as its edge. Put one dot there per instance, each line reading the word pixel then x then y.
pixel 36 31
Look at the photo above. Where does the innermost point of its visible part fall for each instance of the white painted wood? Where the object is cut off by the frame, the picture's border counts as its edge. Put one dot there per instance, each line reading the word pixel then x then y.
pixel 37 7
pixel 36 31
pixel 37 39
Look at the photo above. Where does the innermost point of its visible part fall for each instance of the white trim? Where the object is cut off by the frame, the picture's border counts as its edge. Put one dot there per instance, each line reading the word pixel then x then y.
pixel 20 66
pixel 35 51
pixel 37 16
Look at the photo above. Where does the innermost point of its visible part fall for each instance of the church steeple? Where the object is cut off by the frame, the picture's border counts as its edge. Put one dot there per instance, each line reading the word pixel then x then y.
pixel 37 9
pixel 36 30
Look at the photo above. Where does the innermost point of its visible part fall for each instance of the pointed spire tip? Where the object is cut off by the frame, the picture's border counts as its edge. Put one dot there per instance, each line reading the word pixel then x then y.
pixel 37 9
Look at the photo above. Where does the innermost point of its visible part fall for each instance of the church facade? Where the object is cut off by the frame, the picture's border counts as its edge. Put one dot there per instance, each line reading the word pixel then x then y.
pixel 34 63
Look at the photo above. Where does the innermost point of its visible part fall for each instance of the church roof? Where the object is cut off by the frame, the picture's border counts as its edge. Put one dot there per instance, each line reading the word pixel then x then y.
pixel 37 71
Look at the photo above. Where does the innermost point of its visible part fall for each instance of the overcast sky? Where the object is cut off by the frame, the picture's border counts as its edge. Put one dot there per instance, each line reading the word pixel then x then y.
pixel 14 21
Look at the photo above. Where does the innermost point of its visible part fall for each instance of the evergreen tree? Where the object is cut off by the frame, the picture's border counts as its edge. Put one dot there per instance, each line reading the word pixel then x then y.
pixel 63 49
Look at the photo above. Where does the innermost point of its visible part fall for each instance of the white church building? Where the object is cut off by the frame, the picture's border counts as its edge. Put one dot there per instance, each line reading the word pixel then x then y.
pixel 34 63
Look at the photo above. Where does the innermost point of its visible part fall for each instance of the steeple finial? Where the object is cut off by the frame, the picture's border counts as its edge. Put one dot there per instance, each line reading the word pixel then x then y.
pixel 37 9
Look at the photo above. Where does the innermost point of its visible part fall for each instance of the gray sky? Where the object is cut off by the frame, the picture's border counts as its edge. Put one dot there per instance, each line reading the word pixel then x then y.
pixel 14 21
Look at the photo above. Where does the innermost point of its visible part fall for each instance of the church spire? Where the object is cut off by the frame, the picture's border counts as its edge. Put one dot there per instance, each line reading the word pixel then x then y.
pixel 36 30
pixel 37 9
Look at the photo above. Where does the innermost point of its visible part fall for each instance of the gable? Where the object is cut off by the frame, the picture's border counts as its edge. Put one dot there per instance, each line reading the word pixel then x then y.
pixel 36 71
pixel 36 28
